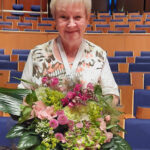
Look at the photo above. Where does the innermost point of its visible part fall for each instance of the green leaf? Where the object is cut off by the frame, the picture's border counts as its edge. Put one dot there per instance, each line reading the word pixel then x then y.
pixel 28 141
pixel 117 143
pixel 16 131
pixel 17 93
pixel 111 126
pixel 40 147
pixel 31 98
pixel 25 114
pixel 10 100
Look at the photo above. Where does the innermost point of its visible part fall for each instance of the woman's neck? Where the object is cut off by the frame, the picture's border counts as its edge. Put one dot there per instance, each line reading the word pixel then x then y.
pixel 71 49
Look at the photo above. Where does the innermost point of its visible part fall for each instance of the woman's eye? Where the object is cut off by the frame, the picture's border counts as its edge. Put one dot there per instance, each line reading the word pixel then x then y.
pixel 77 17
pixel 63 17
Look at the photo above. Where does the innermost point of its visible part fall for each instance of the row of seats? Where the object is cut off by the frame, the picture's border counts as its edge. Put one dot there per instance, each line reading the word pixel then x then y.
pixel 99 25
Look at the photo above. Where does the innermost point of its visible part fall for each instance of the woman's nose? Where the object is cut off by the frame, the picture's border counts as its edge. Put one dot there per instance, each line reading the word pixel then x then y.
pixel 71 22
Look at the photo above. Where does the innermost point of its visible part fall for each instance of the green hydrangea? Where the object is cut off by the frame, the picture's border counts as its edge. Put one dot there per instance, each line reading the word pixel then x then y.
pixel 50 97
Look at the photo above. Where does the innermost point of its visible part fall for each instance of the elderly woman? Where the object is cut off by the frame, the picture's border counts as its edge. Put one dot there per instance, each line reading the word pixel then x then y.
pixel 69 54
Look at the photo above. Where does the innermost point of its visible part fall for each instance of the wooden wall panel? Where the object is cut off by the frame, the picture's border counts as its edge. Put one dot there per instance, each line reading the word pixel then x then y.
pixel 100 5
pixel 7 4
pixel 134 5
pixel 147 5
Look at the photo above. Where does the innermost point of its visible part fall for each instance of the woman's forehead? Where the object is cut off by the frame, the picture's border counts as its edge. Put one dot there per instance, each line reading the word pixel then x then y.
pixel 77 6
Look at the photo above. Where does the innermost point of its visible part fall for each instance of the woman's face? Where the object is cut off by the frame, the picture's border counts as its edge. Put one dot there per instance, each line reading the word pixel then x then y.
pixel 71 21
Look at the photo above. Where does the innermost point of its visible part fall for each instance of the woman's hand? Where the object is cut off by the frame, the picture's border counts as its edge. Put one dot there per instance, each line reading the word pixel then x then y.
pixel 115 100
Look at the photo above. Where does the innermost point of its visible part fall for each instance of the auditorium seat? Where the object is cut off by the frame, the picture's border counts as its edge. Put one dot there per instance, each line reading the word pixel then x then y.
pixel 109 31
pixel 18 7
pixel 7 29
pixel 145 27
pixel 4 57
pixel 44 26
pixel 48 21
pixel 138 133
pixel 146 81
pixel 103 27
pixel 24 25
pixel 123 53
pixel 93 31
pixel 145 53
pixel 141 98
pixel 6 123
pixel 114 67
pixel 137 31
pixel 33 20
pixel 106 17
pixel 23 57
pixel 51 30
pixel 1 51
pixel 139 67
pixel 124 27
pixel 114 22
pixel 142 59
pixel 92 17
pixel 14 20
pixel 133 22
pixel 20 51
pixel 4 65
pixel 124 17
pixel 117 59
pixel 147 21
pixel 14 74
pixel 32 30
pixel 35 8
pixel 98 21
pixel 136 17
pixel 4 24
pixel 122 78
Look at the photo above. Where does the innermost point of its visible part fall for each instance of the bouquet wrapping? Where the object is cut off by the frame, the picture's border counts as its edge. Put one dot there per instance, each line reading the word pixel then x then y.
pixel 63 115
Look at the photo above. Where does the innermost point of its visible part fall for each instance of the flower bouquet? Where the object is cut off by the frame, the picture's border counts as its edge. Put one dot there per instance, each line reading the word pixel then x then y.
pixel 63 115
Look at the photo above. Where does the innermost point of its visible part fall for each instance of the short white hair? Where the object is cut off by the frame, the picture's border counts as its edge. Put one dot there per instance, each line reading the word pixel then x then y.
pixel 87 4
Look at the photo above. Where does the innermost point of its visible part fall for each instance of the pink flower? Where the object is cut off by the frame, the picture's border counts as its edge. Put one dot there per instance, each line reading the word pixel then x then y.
pixel 54 81
pixel 44 80
pixel 60 112
pixel 79 125
pixel 53 123
pixel 90 86
pixel 103 125
pixel 65 101
pixel 109 136
pixel 71 104
pixel 70 94
pixel 107 118
pixel 77 87
pixel 60 137
pixel 42 111
pixel 100 119
pixel 70 124
pixel 38 106
pixel 62 119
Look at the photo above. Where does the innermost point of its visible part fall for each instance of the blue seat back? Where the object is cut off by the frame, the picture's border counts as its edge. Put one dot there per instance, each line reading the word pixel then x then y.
pixel 146 80
pixel 122 78
pixel 141 98
pixel 139 67
pixel 124 53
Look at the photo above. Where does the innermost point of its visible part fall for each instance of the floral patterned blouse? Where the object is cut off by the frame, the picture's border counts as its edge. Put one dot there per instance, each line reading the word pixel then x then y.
pixel 93 67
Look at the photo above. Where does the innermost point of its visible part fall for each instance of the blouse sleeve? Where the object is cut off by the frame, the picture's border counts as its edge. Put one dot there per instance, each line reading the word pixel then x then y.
pixel 108 83
pixel 27 73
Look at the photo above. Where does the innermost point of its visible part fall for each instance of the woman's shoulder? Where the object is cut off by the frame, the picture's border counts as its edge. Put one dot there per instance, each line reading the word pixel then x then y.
pixel 95 49
pixel 43 48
